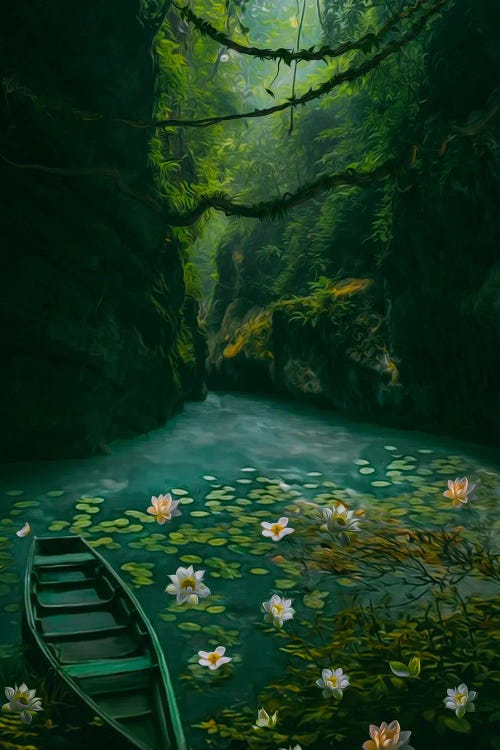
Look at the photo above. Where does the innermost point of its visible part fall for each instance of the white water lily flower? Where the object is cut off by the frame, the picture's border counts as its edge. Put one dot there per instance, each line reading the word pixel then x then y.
pixel 460 700
pixel 339 519
pixel 24 531
pixel 22 701
pixel 277 530
pixel 164 508
pixel 213 659
pixel 187 585
pixel 387 737
pixel 333 682
pixel 264 720
pixel 278 610
pixel 459 491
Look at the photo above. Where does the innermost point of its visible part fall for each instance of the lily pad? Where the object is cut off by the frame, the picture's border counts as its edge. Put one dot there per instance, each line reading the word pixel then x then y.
pixel 58 525
pixel 217 542
pixel 55 493
pixel 367 470
pixel 179 492
pixel 380 483
pixel 199 513
pixel 134 528
pixel 208 478
pixel 259 571
pixel 191 627
pixel 14 493
pixel 143 517
pixel 216 609
pixel 284 583
pixel 101 541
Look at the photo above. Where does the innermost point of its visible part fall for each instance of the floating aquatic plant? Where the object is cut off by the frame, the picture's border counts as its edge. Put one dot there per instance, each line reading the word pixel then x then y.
pixel 26 529
pixel 333 682
pixel 187 584
pixel 460 700
pixel 278 610
pixel 265 720
pixel 22 701
pixel 387 736
pixel 164 508
pixel 213 659
pixel 276 530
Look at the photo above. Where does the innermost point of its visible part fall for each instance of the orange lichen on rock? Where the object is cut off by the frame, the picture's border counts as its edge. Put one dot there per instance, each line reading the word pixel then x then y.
pixel 231 350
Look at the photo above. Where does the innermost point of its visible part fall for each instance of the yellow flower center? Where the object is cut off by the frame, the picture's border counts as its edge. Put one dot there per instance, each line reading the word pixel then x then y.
pixel 276 528
pixel 188 583
pixel 21 699
pixel 341 521
pixel 460 698
pixel 277 609
pixel 332 682
pixel 213 658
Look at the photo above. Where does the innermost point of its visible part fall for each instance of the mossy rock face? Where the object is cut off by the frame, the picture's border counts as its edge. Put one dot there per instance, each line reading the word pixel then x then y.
pixel 89 352
pixel 433 259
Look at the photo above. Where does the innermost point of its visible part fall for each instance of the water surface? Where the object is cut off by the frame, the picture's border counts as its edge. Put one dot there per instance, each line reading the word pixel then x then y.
pixel 419 578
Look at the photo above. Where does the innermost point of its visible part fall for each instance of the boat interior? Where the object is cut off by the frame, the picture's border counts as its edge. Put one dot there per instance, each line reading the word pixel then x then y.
pixel 91 627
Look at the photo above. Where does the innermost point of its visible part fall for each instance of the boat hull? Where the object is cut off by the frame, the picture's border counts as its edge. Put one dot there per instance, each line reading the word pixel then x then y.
pixel 92 632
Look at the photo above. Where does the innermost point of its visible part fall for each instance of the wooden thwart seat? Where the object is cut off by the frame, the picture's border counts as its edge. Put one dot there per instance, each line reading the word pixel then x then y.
pixel 108 667
pixel 70 558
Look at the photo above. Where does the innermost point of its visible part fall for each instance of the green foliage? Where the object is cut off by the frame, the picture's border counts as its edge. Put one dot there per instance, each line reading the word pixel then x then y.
pixel 192 281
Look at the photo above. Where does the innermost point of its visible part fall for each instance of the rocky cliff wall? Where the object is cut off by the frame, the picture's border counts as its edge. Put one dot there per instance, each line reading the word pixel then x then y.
pixel 92 282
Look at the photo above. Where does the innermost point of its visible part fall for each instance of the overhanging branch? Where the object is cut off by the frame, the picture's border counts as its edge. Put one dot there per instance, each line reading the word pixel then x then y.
pixel 365 43
pixel 270 209
pixel 347 76
pixel 277 207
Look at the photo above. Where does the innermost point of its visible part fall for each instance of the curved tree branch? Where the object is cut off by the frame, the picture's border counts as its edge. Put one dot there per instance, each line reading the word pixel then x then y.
pixel 270 209
pixel 277 207
pixel 364 43
pixel 351 74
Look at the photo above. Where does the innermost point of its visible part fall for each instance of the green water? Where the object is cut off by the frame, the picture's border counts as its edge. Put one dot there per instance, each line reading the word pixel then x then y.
pixel 419 579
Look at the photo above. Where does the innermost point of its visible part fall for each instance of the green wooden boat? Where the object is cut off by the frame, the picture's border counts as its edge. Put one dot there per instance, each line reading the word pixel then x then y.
pixel 95 635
